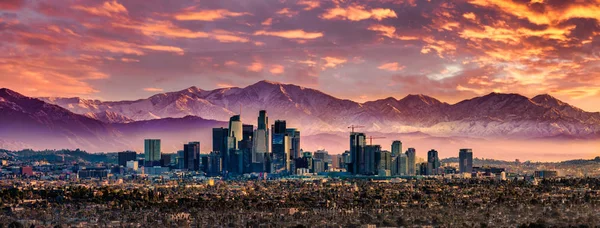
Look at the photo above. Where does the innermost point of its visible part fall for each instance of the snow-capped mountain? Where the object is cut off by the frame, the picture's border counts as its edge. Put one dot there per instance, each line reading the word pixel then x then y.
pixel 33 122
pixel 314 112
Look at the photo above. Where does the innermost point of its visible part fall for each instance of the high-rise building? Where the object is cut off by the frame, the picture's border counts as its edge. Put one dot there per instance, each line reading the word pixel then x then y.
pixel 433 162
pixel 396 148
pixel 411 155
pixel 401 164
pixel 152 152
pixel 191 156
pixel 261 139
pixel 357 149
pixel 383 160
pixel 126 156
pixel 219 137
pixel 368 163
pixel 246 148
pixel 263 120
pixel 294 135
pixel 165 160
pixel 236 129
pixel 465 160
pixel 280 146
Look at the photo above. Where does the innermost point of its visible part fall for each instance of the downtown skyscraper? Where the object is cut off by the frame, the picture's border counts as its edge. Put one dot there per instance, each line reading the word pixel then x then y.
pixel 433 162
pixel 411 155
pixel 151 152
pixel 465 160
pixel 357 150
pixel 261 139
pixel 396 148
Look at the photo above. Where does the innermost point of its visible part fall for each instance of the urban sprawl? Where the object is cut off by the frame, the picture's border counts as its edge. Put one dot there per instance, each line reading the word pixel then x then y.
pixel 260 177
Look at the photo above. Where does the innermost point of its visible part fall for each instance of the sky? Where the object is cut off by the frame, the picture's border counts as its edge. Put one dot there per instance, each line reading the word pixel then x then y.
pixel 359 50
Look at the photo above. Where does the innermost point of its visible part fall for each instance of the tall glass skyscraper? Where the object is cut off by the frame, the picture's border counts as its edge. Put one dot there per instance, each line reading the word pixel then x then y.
pixel 396 148
pixel 357 149
pixel 411 155
pixel 152 152
pixel 261 138
pixel 433 162
pixel 465 160
pixel 191 156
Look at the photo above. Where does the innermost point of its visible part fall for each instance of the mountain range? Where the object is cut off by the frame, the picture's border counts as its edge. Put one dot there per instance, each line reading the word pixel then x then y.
pixel 188 115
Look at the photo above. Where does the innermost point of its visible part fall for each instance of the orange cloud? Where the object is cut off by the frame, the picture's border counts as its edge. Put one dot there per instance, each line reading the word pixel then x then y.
pixel 470 16
pixel 106 9
pixel 393 66
pixel 176 50
pixel 332 62
pixel 49 75
pixel 277 69
pixel 168 29
pixel 549 16
pixel 154 90
pixel 286 12
pixel 128 60
pixel 390 31
pixel 290 34
pixel 267 22
pixel 207 15
pixel 358 13
pixel 309 4
pixel 255 67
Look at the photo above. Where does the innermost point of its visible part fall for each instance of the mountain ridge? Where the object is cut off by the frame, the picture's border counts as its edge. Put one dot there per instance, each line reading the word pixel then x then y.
pixel 491 115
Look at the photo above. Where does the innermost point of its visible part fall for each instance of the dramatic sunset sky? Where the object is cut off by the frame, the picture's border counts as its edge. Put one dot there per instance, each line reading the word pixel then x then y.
pixel 359 50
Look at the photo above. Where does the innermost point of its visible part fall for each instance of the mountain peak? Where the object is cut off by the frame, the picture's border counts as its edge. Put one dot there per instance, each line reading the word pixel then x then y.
pixel 413 98
pixel 547 99
pixel 4 92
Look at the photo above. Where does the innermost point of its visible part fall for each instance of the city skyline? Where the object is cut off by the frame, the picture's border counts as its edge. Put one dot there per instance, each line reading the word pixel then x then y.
pixel 117 50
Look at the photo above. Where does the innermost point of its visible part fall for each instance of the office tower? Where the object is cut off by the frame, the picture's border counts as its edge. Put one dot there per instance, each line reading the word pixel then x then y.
pixel 368 163
pixel 126 156
pixel 214 163
pixel 236 129
pixel 433 162
pixel 246 148
pixel 345 160
pixel 191 156
pixel 152 152
pixel 279 127
pixel 357 148
pixel 383 160
pixel 465 160
pixel 280 146
pixel 165 160
pixel 421 168
pixel 318 166
pixel 180 159
pixel 261 138
pixel 263 120
pixel 294 135
pixel 411 155
pixel 396 148
pixel 402 164
pixel 219 136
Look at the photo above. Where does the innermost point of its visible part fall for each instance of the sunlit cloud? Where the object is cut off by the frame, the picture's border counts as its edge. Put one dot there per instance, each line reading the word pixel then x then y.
pixel 290 34
pixel 164 48
pixel 207 15
pixel 358 13
pixel 309 4
pixel 390 32
pixel 394 66
pixel 277 69
pixel 255 67
pixel 154 90
pixel 332 62
pixel 108 8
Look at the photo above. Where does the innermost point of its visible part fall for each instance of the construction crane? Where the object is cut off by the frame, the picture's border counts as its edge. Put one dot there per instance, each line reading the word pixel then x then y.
pixel 355 126
pixel 371 139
